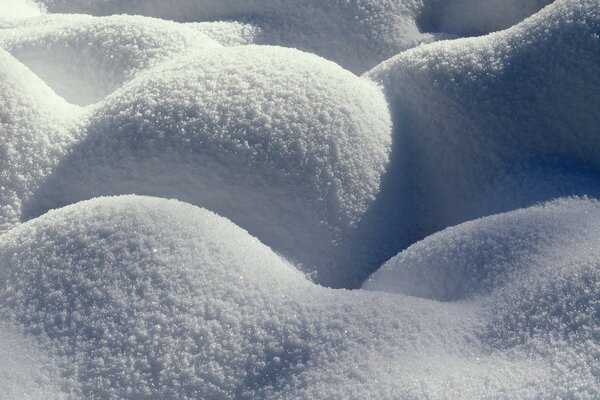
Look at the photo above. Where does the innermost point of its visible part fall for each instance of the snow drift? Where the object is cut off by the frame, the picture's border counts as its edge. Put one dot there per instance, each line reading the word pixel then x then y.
pixel 357 34
pixel 304 177
pixel 148 297
pixel 291 151
pixel 494 123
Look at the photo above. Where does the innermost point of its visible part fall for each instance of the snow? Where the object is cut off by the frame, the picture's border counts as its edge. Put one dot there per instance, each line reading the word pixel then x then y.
pixel 254 178
pixel 25 371
pixel 17 9
pixel 293 152
pixel 493 123
pixel 139 296
pixel 534 272
pixel 37 127
pixel 84 58
pixel 355 34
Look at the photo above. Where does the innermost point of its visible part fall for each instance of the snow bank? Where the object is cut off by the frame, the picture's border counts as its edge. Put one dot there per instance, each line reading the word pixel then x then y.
pixel 494 123
pixel 37 126
pixel 292 151
pixel 146 297
pixel 84 58
pixel 356 34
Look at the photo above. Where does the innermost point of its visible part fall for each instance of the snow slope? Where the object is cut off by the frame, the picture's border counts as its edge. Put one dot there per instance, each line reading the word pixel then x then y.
pixel 25 371
pixel 291 176
pixel 535 271
pixel 356 34
pixel 84 58
pixel 154 298
pixel 493 123
pixel 291 151
pixel 37 127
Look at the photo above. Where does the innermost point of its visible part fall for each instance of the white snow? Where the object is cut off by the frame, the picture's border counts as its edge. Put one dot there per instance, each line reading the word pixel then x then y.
pixel 25 371
pixel 149 297
pixel 291 151
pixel 290 176
pixel 37 127
pixel 84 58
pixel 534 272
pixel 356 34
pixel 17 9
pixel 493 123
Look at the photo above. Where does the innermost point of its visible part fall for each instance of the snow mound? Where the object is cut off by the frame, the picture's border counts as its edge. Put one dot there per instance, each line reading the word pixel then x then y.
pixel 84 58
pixel 146 297
pixel 534 273
pixel 494 123
pixel 357 34
pixel 37 126
pixel 479 257
pixel 291 151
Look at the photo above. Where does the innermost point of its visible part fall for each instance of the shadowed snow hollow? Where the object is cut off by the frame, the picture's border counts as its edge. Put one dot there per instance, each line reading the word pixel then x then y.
pixel 494 123
pixel 84 58
pixel 356 34
pixel 286 144
pixel 36 127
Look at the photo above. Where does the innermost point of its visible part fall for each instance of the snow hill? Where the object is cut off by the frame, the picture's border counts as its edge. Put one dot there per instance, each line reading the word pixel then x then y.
pixel 275 199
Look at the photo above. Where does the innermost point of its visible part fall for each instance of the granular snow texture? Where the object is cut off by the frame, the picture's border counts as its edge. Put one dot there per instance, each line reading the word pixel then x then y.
pixel 144 297
pixel 291 176
pixel 356 34
pixel 493 123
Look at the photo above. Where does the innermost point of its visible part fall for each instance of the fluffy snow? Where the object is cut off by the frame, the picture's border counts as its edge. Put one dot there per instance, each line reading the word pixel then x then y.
pixel 84 58
pixel 493 123
pixel 356 34
pixel 17 9
pixel 25 371
pixel 535 272
pixel 37 127
pixel 293 152
pixel 289 176
pixel 146 297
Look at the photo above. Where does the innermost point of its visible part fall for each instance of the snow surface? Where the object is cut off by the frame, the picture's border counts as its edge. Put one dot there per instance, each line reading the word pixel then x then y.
pixel 356 34
pixel 493 123
pixel 145 297
pixel 26 372
pixel 84 58
pixel 291 176
pixel 293 152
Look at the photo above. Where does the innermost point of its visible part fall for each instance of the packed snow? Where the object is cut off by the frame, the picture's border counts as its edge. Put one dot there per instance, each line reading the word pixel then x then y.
pixel 189 189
